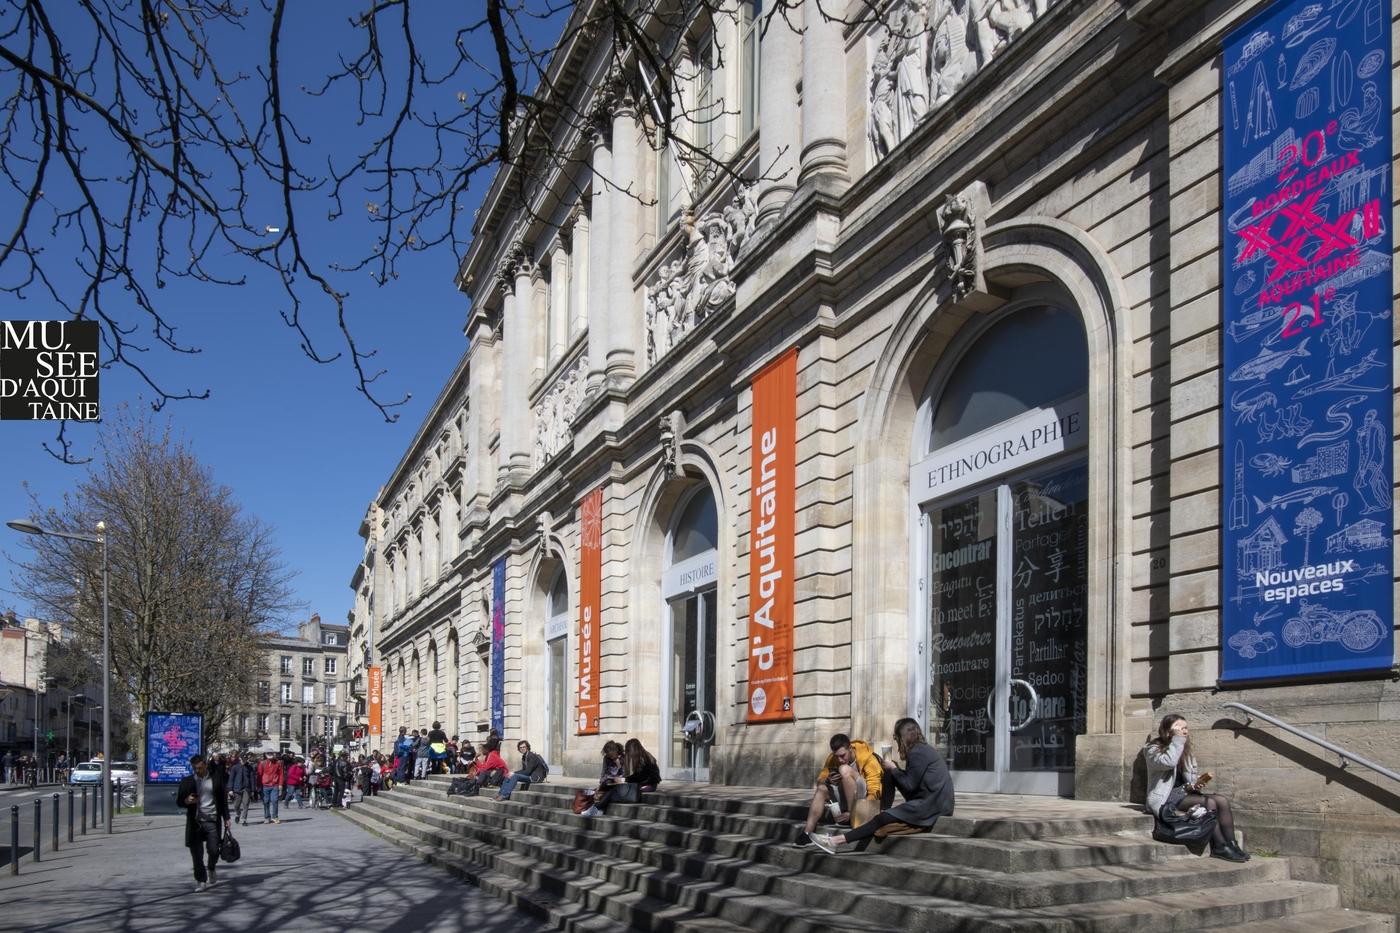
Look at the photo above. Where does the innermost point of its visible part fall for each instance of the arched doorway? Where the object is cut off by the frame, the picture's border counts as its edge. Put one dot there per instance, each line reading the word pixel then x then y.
pixel 556 635
pixel 688 581
pixel 1001 542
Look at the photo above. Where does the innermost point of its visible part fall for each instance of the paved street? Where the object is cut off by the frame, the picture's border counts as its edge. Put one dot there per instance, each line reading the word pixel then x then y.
pixel 315 871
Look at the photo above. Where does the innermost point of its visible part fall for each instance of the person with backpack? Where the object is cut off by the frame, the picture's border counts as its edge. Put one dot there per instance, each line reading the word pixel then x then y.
pixel 403 748
pixel 533 770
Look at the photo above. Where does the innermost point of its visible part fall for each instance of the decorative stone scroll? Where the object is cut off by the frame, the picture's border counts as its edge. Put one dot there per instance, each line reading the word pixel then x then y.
pixel 688 289
pixel 554 421
pixel 924 50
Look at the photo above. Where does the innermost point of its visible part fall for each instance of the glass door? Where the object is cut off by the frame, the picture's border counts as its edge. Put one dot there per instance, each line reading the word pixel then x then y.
pixel 1007 587
pixel 558 700
pixel 693 622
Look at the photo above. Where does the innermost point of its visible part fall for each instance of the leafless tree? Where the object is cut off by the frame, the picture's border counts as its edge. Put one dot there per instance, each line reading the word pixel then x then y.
pixel 144 142
pixel 194 580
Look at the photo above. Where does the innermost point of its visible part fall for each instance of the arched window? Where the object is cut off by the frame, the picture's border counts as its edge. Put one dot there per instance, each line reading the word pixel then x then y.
pixel 697 529
pixel 1028 359
pixel 558 603
pixel 556 633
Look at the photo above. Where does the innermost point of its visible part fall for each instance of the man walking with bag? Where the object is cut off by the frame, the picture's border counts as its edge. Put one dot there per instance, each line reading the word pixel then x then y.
pixel 205 799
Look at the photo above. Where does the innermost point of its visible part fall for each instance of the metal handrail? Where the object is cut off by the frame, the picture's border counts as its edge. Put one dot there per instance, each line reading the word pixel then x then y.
pixel 1342 753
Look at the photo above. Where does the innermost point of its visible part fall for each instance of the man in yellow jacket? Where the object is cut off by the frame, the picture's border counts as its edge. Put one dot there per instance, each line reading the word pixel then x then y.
pixel 851 774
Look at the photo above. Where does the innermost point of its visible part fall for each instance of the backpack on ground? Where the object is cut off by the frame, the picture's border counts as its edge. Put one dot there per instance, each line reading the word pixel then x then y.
pixel 464 787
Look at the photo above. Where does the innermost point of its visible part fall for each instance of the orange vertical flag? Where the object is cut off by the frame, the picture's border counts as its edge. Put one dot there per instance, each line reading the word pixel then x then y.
pixel 590 608
pixel 772 513
pixel 376 700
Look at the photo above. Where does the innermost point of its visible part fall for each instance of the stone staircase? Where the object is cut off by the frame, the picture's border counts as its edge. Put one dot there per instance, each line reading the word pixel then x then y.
pixel 705 858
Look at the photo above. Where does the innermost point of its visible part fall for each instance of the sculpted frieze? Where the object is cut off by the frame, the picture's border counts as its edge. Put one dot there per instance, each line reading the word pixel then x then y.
pixel 924 50
pixel 688 289
pixel 554 419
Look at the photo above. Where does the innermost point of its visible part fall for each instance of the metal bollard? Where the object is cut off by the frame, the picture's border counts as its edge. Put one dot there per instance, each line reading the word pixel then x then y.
pixel 38 825
pixel 14 839
pixel 82 822
pixel 116 796
pixel 70 814
pixel 55 823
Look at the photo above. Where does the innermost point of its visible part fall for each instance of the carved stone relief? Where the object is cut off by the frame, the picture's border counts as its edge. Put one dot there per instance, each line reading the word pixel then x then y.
pixel 924 50
pixel 554 421
pixel 688 289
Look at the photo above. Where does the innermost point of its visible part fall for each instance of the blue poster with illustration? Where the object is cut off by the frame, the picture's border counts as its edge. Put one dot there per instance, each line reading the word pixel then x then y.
pixel 1306 551
pixel 171 740
pixel 498 647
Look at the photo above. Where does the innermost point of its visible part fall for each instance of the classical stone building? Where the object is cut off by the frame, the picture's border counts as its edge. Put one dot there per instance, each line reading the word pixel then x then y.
pixel 302 694
pixel 991 234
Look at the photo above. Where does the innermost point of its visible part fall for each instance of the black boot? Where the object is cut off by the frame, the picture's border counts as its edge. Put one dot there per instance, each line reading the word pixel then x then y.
pixel 1230 852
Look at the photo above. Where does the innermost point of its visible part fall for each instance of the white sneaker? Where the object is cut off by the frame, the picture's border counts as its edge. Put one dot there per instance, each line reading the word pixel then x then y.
pixel 592 811
pixel 200 887
pixel 823 842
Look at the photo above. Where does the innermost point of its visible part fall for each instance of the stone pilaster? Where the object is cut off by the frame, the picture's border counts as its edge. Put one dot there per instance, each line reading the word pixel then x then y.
pixel 523 362
pixel 779 127
pixel 558 301
pixel 601 246
pixel 824 82
pixel 580 259
pixel 624 326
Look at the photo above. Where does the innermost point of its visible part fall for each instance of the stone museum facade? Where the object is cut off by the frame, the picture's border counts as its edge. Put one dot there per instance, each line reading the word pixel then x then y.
pixel 991 233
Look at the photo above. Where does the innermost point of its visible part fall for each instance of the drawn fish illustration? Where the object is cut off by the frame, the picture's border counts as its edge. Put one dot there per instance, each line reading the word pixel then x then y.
pixel 1269 360
pixel 1270 464
pixel 1296 497
pixel 1344 381
pixel 1336 414
pixel 1313 61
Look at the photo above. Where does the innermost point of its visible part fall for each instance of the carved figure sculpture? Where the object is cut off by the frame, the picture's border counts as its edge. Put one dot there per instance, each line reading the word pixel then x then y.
pixel 554 426
pixel 958 226
pixel 883 136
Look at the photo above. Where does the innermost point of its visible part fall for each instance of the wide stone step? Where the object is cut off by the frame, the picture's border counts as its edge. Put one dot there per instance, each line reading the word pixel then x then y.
pixel 575 904
pixel 1340 920
pixel 872 900
pixel 982 816
pixel 799 874
pixel 613 886
pixel 1058 849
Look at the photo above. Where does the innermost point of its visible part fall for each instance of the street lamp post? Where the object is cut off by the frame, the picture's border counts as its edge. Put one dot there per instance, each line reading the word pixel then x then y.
pixel 30 528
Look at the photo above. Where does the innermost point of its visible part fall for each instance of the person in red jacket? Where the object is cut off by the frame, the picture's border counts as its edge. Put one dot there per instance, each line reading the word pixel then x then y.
pixel 296 776
pixel 270 776
pixel 492 770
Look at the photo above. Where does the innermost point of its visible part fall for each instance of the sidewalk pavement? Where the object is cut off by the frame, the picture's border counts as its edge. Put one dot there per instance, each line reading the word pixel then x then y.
pixel 314 871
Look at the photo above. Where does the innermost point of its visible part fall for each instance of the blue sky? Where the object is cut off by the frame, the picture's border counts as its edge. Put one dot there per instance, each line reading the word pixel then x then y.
pixel 300 447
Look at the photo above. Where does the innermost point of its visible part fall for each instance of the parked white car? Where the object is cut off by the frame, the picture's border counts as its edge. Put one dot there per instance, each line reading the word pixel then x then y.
pixel 90 772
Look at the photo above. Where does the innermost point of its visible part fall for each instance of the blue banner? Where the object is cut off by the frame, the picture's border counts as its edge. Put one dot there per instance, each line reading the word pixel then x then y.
pixel 498 647
pixel 1306 543
pixel 171 740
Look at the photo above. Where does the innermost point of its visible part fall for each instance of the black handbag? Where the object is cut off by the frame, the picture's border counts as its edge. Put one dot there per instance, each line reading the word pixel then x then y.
pixel 1170 825
pixel 464 787
pixel 229 850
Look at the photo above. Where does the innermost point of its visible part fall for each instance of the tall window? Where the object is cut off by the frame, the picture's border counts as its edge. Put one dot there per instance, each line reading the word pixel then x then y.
pixel 750 12
pixel 286 693
pixel 284 724
pixel 308 667
pixel 330 665
pixel 243 724
pixel 708 128
pixel 262 723
pixel 308 693
pixel 264 692
pixel 330 694
pixel 286 666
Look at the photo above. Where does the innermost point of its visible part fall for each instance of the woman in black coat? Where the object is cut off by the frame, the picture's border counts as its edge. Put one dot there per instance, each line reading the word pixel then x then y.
pixel 924 781
pixel 206 819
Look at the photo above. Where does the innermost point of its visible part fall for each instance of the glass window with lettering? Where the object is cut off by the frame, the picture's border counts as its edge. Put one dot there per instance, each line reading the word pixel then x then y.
pixel 963 618
pixel 1050 579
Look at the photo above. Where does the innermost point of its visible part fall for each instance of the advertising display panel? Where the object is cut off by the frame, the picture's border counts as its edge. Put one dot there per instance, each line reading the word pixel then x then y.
pixel 171 740
pixel 498 646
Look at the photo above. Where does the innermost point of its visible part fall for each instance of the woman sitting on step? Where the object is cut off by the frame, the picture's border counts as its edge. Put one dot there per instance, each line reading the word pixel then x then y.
pixel 1174 785
pixel 643 776
pixel 613 774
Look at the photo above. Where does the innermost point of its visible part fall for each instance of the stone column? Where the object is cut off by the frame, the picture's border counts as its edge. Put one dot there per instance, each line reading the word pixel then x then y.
pixel 525 358
pixel 624 327
pixel 823 83
pixel 580 258
pixel 513 386
pixel 558 300
pixel 600 246
pixel 779 118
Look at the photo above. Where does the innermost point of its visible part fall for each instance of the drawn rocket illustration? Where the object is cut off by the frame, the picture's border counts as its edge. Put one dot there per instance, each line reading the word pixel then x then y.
pixel 1239 505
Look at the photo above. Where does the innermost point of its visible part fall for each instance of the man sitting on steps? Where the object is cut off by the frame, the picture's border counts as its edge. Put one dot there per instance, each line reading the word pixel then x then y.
pixel 850 778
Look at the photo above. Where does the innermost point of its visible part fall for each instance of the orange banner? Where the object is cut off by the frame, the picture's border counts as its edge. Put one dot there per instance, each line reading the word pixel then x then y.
pixel 772 512
pixel 590 610
pixel 376 700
